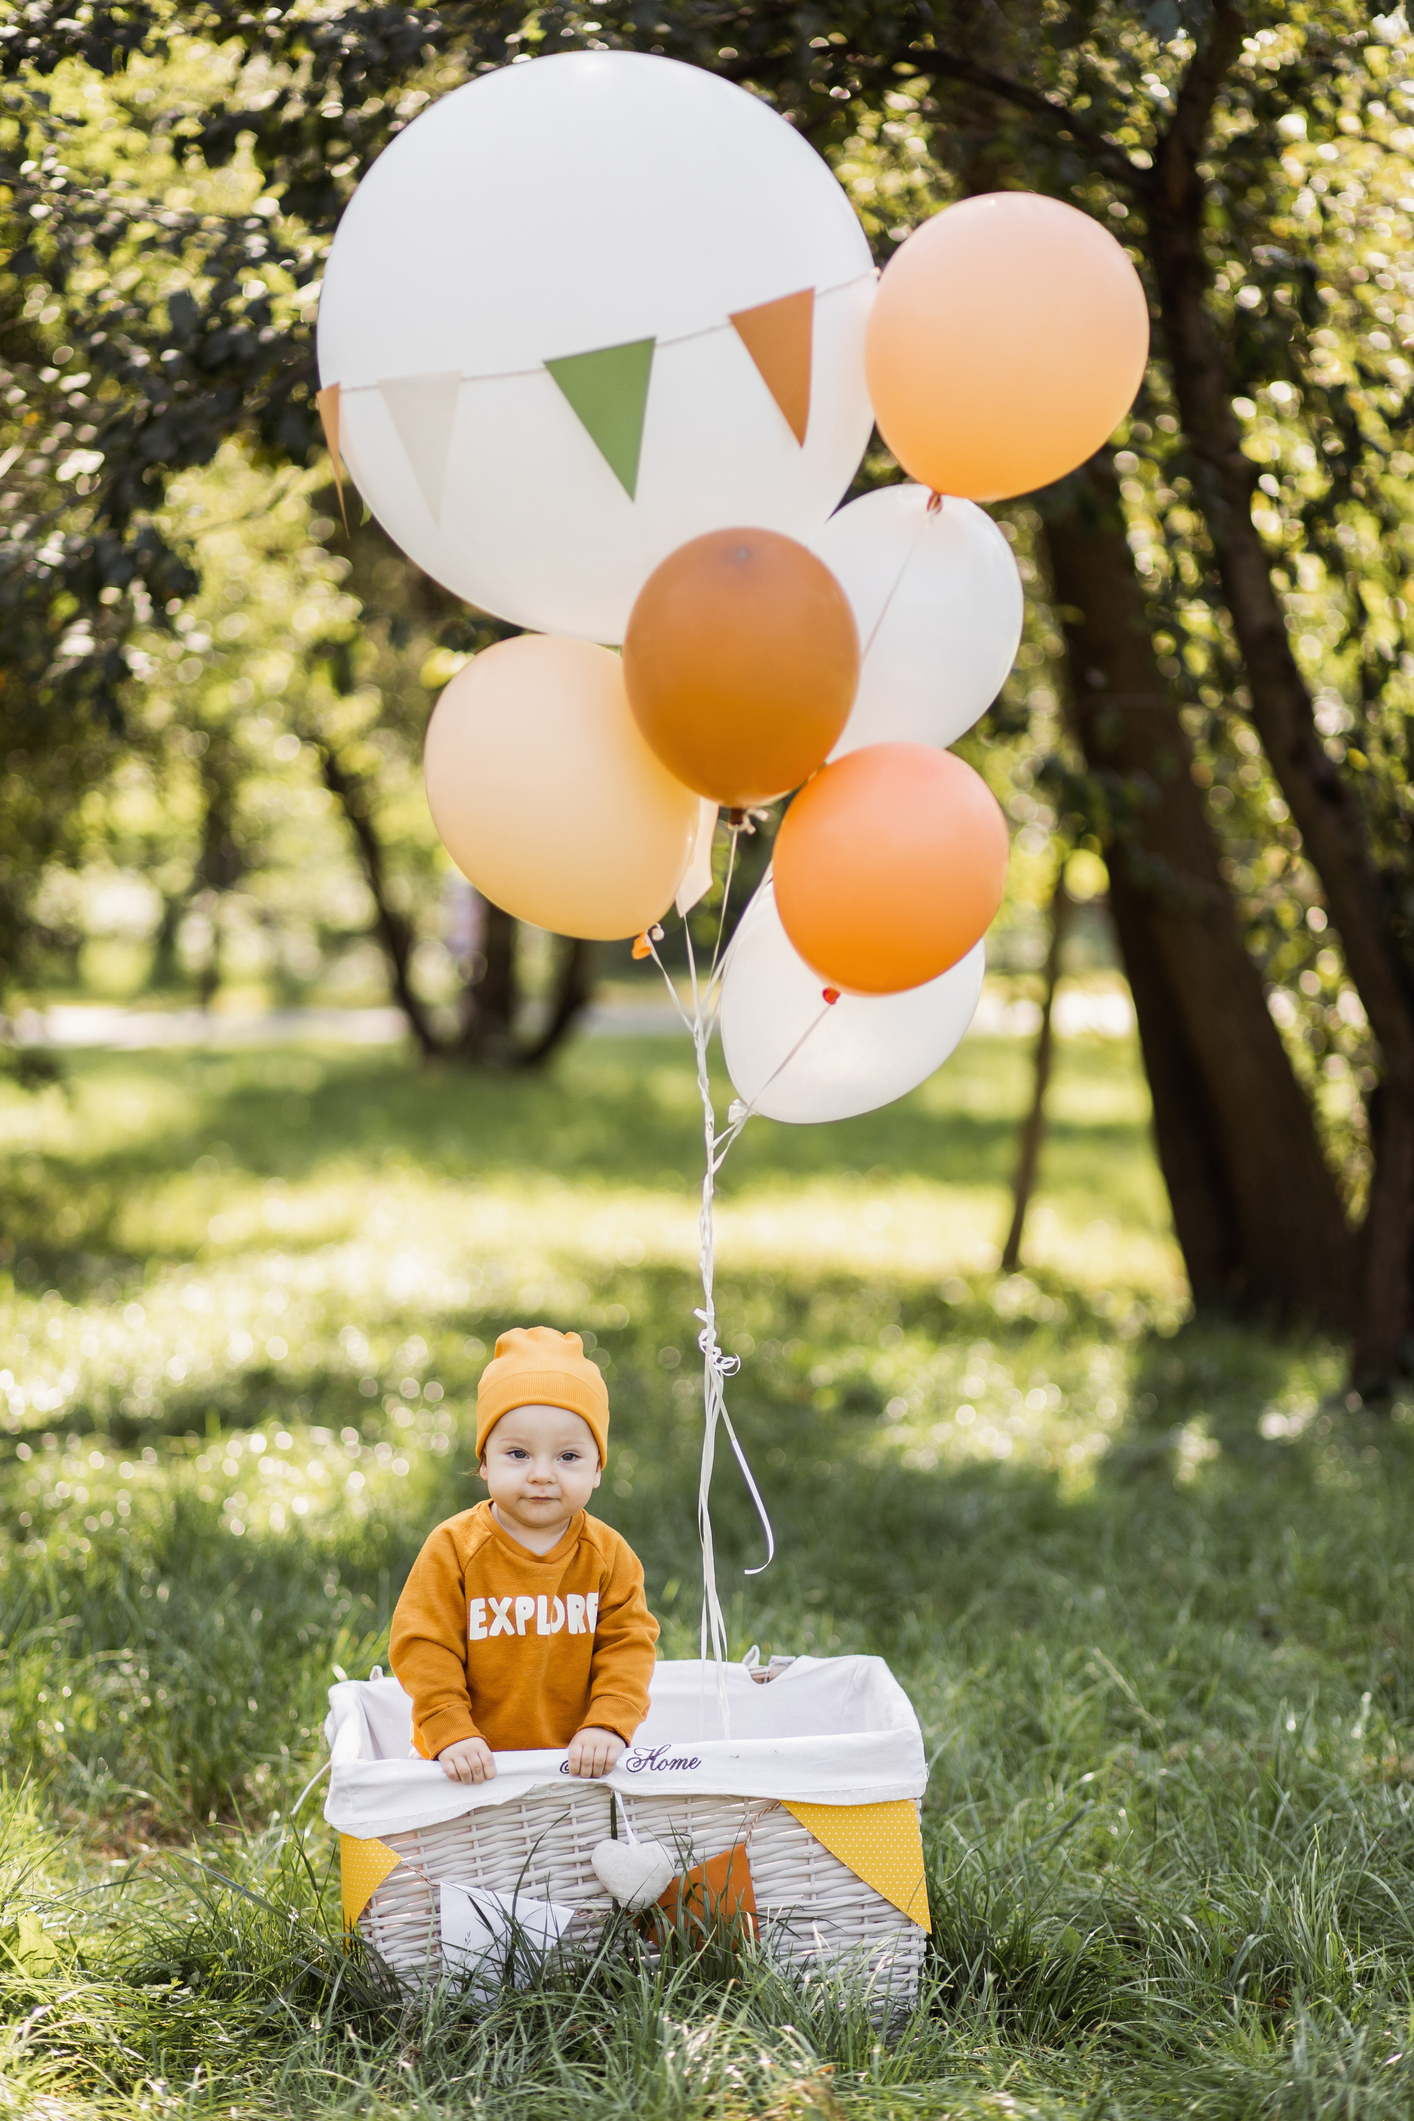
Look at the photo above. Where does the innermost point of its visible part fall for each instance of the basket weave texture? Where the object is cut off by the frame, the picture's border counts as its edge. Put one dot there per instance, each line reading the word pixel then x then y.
pixel 813 1912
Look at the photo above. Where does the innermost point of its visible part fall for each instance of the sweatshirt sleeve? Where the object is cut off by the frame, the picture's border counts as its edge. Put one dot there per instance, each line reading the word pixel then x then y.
pixel 623 1648
pixel 427 1649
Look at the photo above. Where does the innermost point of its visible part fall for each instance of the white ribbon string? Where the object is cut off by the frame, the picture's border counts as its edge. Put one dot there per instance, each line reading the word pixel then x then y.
pixel 740 1114
pixel 931 506
pixel 681 338
pixel 717 1365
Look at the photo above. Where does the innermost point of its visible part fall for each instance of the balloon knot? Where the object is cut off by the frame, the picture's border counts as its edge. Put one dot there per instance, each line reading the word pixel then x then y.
pixel 641 945
pixel 831 995
pixel 656 931
pixel 723 1365
pixel 935 502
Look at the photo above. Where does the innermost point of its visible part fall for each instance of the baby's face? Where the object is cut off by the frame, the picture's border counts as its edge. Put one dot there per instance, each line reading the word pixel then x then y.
pixel 541 1465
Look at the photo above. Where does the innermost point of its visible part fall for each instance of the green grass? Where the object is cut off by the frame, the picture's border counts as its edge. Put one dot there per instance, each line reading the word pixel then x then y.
pixel 1150 1584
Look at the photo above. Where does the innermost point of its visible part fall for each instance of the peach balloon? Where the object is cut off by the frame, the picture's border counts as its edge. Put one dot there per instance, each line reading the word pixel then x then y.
pixel 546 796
pixel 742 662
pixel 1007 341
pixel 889 867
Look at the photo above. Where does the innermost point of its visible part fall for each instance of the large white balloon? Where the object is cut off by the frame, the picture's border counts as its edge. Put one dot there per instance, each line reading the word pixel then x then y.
pixel 937 600
pixel 868 1050
pixel 557 207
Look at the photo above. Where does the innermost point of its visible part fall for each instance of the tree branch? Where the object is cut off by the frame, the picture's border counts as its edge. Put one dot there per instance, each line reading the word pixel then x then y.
pixel 1175 166
pixel 1107 155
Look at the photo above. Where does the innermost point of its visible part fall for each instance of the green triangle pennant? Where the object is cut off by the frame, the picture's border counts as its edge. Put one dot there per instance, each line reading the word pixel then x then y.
pixel 608 390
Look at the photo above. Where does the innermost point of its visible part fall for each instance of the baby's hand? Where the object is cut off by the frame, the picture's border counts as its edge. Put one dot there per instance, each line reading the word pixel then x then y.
pixel 469 1760
pixel 595 1752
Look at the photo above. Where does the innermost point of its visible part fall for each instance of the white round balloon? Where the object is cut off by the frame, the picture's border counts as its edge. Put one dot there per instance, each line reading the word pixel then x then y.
pixel 563 206
pixel 868 1049
pixel 938 603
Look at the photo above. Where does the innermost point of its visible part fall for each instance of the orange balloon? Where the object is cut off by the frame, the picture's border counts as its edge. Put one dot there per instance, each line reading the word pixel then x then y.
pixel 742 662
pixel 889 866
pixel 1007 341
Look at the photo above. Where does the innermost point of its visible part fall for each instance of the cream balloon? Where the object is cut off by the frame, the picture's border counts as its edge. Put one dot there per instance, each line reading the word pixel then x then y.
pixel 863 1052
pixel 546 796
pixel 564 206
pixel 938 603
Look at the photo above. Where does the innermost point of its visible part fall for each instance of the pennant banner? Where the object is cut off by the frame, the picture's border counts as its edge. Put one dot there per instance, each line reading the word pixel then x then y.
pixel 779 336
pixel 424 411
pixel 881 1843
pixel 719 1887
pixel 697 877
pixel 328 402
pixel 363 1865
pixel 608 390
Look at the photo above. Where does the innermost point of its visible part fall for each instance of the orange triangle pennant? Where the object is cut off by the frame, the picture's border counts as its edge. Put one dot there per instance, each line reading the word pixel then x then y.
pixel 778 336
pixel 328 402
pixel 713 1892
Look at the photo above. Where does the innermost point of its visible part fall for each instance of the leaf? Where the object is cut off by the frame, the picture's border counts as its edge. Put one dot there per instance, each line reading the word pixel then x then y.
pixel 34 1947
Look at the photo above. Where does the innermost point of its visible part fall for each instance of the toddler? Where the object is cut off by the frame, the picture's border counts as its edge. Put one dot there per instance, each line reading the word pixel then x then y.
pixel 523 1622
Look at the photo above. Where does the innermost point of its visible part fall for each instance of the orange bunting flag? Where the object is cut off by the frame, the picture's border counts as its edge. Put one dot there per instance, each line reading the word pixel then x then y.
pixel 717 1890
pixel 328 402
pixel 779 336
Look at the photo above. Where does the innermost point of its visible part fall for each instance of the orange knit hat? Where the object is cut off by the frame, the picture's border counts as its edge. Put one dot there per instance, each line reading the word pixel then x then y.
pixel 535 1366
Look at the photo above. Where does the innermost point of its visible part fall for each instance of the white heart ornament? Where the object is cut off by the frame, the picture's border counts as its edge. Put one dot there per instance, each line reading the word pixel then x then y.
pixel 633 1872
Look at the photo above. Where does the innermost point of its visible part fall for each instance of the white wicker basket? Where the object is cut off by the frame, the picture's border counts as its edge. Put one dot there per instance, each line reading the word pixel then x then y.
pixel 812 1911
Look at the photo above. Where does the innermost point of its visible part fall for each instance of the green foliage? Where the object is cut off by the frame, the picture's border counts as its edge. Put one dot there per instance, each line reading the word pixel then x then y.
pixel 187 181
pixel 1150 1584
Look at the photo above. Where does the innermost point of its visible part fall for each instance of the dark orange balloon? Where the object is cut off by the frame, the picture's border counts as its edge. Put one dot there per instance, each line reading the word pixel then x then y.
pixel 889 866
pixel 742 662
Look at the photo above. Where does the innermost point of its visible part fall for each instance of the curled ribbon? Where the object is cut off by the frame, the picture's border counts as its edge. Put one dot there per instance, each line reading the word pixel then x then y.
pixel 724 1365
pixel 717 1366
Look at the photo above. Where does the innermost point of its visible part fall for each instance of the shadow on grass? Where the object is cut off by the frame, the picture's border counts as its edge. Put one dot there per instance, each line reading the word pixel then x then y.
pixel 624 1114
pixel 197 1659
pixel 1221 1518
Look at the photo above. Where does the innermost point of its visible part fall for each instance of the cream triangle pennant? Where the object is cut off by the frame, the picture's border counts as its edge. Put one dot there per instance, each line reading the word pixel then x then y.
pixel 424 411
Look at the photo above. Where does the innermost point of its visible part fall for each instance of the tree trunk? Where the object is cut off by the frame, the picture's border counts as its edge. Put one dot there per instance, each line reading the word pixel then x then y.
pixel 166 967
pixel 491 997
pixel 1028 1153
pixel 574 985
pixel 489 1000
pixel 1256 1209
pixel 208 983
pixel 1187 1137
pixel 1323 806
pixel 395 932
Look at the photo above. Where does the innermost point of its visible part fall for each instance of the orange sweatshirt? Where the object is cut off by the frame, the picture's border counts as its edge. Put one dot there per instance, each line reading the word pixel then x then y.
pixel 522 1649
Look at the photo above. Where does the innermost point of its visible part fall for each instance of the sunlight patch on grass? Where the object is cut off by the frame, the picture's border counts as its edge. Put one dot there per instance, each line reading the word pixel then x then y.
pixel 1149 1582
